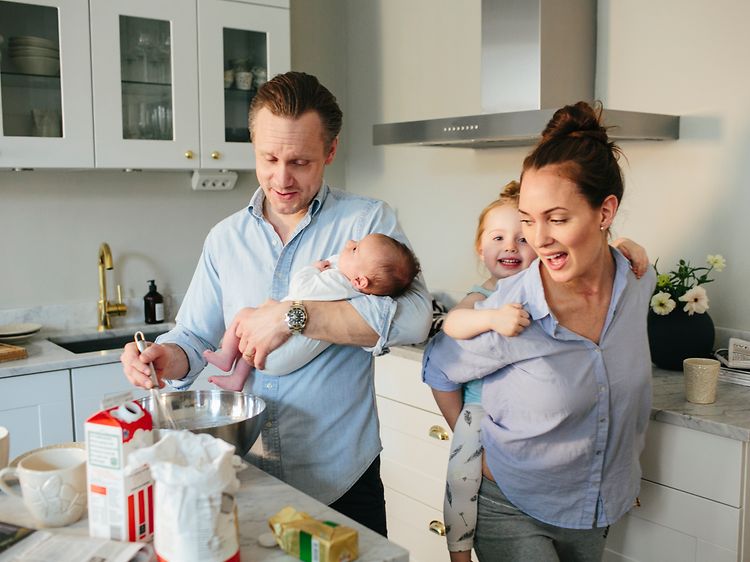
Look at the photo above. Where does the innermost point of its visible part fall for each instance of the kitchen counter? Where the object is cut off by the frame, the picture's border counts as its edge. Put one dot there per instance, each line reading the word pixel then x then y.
pixel 728 417
pixel 260 496
pixel 43 355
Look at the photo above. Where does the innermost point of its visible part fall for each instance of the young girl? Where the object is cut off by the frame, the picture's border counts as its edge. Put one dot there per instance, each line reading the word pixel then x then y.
pixel 504 252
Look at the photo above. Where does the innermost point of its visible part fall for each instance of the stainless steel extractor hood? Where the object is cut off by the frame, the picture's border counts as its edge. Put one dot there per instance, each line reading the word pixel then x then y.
pixel 537 56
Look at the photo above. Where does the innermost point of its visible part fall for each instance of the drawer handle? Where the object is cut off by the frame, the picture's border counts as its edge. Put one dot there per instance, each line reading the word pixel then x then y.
pixel 439 433
pixel 437 527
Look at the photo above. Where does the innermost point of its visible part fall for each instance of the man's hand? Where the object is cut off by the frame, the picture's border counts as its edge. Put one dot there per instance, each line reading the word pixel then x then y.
pixel 169 361
pixel 261 330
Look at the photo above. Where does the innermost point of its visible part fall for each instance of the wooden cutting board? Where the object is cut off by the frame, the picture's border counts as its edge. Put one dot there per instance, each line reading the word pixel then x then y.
pixel 11 352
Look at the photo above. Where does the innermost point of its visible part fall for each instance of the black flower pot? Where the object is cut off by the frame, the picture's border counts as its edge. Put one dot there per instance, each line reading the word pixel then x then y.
pixel 677 336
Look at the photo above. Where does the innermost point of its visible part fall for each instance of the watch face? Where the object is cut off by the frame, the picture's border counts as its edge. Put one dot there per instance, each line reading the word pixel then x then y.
pixel 296 317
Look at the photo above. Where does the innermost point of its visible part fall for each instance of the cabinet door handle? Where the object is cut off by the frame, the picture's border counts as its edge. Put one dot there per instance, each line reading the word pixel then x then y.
pixel 189 154
pixel 437 527
pixel 439 433
pixel 216 155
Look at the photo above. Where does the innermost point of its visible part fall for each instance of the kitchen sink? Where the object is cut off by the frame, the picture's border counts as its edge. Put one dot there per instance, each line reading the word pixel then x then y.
pixel 101 341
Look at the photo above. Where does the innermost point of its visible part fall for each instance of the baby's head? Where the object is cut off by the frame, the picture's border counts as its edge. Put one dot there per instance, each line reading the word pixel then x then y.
pixel 499 240
pixel 378 265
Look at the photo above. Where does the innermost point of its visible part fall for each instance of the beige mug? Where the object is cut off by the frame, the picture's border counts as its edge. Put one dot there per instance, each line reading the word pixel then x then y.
pixel 701 379
pixel 4 446
pixel 53 485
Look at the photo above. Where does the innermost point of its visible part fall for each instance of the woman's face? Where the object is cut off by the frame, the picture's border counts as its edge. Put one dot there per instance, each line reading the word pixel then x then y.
pixel 560 224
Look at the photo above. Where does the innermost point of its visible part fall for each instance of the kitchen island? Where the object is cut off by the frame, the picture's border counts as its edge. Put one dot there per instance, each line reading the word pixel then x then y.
pixel 260 496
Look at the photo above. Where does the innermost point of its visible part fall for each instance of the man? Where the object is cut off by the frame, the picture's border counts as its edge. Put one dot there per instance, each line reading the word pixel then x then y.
pixel 321 433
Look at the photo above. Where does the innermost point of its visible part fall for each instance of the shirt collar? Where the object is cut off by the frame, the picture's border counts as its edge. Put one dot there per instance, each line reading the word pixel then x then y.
pixel 536 304
pixel 255 207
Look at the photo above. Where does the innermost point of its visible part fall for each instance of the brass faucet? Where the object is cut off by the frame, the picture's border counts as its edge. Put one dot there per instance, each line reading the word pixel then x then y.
pixel 106 308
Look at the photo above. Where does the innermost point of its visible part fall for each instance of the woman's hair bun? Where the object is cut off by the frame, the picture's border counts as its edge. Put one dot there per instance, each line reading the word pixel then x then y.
pixel 576 121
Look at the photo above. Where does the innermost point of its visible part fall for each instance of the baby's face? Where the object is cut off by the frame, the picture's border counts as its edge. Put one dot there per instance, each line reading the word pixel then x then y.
pixel 358 258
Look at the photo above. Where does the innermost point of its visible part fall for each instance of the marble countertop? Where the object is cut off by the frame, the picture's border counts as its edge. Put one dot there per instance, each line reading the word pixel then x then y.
pixel 260 496
pixel 43 355
pixel 728 417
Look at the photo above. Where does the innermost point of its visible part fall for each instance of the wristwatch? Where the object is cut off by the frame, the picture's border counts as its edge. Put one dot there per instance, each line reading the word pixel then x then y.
pixel 296 317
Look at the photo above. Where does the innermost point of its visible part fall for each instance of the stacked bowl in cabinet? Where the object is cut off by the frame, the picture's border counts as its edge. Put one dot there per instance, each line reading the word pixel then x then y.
pixel 34 55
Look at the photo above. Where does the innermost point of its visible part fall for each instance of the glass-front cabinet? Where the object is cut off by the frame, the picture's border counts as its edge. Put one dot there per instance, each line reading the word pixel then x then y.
pixel 240 46
pixel 45 85
pixel 172 92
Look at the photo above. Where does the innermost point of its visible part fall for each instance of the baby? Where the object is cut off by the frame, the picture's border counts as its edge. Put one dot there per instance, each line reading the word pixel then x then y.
pixel 376 265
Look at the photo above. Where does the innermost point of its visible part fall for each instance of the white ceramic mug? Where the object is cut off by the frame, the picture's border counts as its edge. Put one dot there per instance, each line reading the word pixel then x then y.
pixel 4 446
pixel 53 485
pixel 244 80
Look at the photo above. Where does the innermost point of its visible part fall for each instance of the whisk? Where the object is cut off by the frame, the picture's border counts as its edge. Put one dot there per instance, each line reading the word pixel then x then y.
pixel 161 411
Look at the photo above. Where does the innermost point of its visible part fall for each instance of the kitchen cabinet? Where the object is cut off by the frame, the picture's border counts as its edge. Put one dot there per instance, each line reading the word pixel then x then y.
pixel 90 385
pixel 693 500
pixel 45 85
pixel 36 410
pixel 173 80
pixel 414 460
pixel 137 84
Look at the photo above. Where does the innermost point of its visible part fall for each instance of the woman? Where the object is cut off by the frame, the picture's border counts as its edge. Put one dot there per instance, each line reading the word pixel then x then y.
pixel 568 400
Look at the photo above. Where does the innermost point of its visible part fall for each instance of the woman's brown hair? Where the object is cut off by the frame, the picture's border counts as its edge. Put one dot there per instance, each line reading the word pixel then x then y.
pixel 575 140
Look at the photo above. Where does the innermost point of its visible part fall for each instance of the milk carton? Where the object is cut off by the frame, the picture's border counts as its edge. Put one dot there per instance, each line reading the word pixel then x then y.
pixel 120 501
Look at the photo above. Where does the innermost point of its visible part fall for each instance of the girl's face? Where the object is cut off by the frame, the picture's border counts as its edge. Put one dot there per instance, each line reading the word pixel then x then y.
pixel 560 224
pixel 502 247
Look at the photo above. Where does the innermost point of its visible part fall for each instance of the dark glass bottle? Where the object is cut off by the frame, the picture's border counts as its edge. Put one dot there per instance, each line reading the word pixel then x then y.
pixel 153 305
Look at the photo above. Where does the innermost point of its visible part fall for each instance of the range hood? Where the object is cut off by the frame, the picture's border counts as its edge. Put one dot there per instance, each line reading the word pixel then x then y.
pixel 537 56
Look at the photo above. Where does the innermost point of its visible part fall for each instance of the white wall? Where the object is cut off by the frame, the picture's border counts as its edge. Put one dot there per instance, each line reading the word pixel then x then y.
pixel 684 199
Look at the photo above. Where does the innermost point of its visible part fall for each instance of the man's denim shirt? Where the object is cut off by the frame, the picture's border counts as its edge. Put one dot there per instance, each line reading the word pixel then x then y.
pixel 321 431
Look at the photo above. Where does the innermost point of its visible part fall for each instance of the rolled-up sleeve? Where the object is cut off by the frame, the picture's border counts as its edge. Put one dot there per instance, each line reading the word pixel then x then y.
pixel 402 321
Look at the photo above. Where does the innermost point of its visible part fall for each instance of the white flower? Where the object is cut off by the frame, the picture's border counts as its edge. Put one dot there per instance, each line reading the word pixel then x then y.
pixel 662 304
pixel 696 300
pixel 717 262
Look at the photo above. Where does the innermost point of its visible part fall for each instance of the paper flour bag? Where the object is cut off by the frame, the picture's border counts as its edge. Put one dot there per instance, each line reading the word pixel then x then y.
pixel 195 516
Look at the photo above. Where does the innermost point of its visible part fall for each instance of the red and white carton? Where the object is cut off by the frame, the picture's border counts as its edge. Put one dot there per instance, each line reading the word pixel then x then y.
pixel 120 501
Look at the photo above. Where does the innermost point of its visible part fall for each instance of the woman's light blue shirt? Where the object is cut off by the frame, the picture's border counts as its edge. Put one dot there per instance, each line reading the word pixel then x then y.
pixel 566 417
pixel 321 429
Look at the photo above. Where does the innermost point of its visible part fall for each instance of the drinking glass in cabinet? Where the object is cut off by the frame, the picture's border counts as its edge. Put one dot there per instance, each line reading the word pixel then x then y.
pixel 30 92
pixel 146 78
pixel 246 56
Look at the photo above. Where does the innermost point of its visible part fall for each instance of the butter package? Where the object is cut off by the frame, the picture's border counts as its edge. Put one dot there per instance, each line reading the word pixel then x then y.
pixel 312 540
pixel 120 501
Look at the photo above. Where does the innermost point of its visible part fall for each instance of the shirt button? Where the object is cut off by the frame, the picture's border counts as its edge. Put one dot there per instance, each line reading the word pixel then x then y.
pixel 269 425
pixel 598 452
pixel 602 420
pixel 601 389
pixel 269 385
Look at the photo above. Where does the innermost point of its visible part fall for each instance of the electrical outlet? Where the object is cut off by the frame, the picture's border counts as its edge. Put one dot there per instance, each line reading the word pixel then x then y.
pixel 213 181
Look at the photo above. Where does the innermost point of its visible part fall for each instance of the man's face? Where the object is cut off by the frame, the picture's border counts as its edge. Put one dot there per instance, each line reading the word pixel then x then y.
pixel 290 157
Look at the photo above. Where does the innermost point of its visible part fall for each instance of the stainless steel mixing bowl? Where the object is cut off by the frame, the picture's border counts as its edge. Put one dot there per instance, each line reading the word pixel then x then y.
pixel 235 417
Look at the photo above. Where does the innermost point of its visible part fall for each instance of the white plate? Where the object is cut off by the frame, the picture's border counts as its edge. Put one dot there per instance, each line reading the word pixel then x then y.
pixel 12 330
pixel 16 339
pixel 32 41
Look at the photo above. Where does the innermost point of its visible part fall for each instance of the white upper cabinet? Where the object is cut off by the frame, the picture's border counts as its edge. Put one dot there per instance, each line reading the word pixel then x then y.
pixel 240 45
pixel 168 83
pixel 152 63
pixel 45 85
